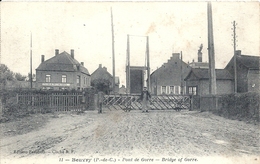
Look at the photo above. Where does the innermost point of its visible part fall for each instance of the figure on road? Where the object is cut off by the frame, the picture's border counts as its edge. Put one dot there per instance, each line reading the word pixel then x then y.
pixel 100 101
pixel 145 96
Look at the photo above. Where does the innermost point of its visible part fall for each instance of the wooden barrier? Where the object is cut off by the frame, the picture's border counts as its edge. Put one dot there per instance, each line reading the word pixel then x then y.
pixel 56 101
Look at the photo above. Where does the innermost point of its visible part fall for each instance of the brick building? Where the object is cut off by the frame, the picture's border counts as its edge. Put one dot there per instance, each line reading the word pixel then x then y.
pixel 247 72
pixel 197 81
pixel 62 71
pixel 168 79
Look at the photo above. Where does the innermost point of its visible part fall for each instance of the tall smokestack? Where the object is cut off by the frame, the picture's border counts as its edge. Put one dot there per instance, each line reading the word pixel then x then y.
pixel 72 53
pixel 211 53
pixel 42 58
pixel 200 53
pixel 56 52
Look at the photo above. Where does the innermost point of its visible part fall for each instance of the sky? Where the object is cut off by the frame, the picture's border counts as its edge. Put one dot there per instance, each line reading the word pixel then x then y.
pixel 172 27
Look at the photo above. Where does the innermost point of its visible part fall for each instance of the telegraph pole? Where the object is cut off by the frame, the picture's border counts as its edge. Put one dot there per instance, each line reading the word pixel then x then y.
pixel 211 53
pixel 148 63
pixel 113 52
pixel 128 66
pixel 181 76
pixel 31 62
pixel 235 56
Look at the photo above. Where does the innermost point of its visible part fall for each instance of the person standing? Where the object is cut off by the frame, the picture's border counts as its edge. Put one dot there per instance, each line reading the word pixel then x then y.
pixel 145 96
pixel 100 101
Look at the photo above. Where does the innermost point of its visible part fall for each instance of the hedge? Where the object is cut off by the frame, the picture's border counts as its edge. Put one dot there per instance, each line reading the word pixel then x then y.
pixel 243 106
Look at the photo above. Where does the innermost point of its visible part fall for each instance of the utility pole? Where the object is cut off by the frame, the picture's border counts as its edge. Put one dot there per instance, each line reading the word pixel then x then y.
pixel 181 76
pixel 148 63
pixel 113 52
pixel 128 66
pixel 211 53
pixel 31 62
pixel 235 56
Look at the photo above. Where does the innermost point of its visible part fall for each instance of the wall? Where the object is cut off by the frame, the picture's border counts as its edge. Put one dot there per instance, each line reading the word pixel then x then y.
pixel 169 74
pixel 242 82
pixel 223 86
pixel 56 77
pixel 242 71
pixel 253 81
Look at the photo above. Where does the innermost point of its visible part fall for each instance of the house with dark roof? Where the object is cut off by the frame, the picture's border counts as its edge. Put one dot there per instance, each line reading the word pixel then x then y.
pixel 102 73
pixel 168 79
pixel 247 72
pixel 62 71
pixel 197 81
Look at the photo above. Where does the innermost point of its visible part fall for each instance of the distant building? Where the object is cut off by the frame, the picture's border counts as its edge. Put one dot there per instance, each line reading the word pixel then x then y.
pixel 248 77
pixel 168 79
pixel 197 81
pixel 102 73
pixel 137 79
pixel 61 72
pixel 194 64
pixel 122 90
pixel 199 64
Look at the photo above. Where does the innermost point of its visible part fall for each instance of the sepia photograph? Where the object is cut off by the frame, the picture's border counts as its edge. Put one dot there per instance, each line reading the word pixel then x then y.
pixel 141 82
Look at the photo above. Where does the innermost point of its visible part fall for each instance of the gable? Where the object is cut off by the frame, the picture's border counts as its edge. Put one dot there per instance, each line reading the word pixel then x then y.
pixel 191 76
pixel 101 73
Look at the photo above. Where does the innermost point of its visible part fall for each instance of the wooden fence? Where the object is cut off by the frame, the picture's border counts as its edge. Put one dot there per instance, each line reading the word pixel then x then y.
pixel 157 102
pixel 59 101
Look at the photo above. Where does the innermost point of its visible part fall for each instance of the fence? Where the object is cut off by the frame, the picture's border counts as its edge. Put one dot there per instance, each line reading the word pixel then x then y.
pixel 57 101
pixel 160 102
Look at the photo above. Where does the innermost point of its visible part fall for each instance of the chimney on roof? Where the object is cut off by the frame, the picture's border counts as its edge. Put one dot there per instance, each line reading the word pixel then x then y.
pixel 72 53
pixel 100 65
pixel 238 52
pixel 42 58
pixel 199 56
pixel 56 52
pixel 105 68
pixel 175 55
pixel 82 63
pixel 200 53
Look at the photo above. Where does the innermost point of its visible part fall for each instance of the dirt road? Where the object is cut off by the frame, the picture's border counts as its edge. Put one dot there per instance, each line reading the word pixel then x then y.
pixel 121 137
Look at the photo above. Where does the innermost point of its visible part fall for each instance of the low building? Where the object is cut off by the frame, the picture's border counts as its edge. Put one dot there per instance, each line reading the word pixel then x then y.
pixel 61 72
pixel 199 63
pixel 102 73
pixel 194 64
pixel 247 72
pixel 122 90
pixel 168 79
pixel 197 82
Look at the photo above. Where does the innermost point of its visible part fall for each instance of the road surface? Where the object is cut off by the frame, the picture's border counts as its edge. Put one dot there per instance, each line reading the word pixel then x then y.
pixel 125 137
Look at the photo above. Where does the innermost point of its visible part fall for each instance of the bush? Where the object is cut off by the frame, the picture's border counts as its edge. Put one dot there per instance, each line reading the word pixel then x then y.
pixel 14 109
pixel 240 106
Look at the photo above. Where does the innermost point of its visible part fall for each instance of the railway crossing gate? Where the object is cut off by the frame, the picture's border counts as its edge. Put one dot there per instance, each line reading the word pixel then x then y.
pixel 157 102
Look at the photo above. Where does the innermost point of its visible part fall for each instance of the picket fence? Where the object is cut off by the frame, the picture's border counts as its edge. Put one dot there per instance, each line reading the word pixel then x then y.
pixel 56 101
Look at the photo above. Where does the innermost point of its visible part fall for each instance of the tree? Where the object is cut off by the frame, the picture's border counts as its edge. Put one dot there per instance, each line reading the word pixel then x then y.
pixel 101 85
pixel 19 77
pixel 29 77
pixel 5 75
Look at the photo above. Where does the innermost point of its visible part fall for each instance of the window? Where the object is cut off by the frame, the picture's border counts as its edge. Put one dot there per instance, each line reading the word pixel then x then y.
pixel 163 89
pixel 78 80
pixel 48 78
pixel 171 90
pixel 64 79
pixel 193 90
